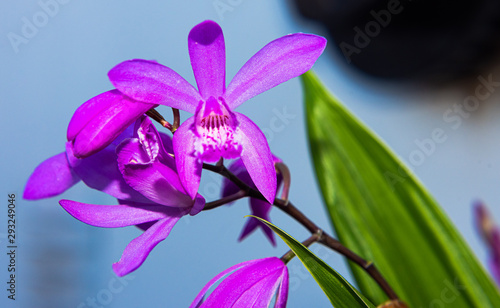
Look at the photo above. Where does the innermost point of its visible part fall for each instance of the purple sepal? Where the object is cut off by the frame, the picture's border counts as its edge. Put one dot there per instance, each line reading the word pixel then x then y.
pixel 99 121
pixel 151 82
pixel 252 284
pixel 51 178
pixel 257 157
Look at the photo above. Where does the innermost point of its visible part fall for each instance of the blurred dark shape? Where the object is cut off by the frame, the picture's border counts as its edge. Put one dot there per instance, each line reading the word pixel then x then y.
pixel 425 40
pixel 491 235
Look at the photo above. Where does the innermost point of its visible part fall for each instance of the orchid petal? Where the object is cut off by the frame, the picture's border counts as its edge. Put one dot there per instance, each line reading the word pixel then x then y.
pixel 154 180
pixel 137 251
pixel 246 283
pixel 90 109
pixel 257 157
pixel 261 293
pixel 151 82
pixel 51 178
pixel 166 140
pixel 282 296
pixel 199 204
pixel 188 166
pixel 100 171
pixel 197 301
pixel 107 125
pixel 238 169
pixel 260 209
pixel 208 58
pixel 146 225
pixel 114 216
pixel 280 60
pixel 156 145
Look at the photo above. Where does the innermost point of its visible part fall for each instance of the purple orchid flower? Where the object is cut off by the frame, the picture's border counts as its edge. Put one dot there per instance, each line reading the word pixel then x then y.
pixel 216 131
pixel 146 167
pixel 252 284
pixel 137 170
pixel 258 207
pixel 491 235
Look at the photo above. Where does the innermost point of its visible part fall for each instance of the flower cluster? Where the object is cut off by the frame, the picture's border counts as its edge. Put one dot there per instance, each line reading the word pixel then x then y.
pixel 115 148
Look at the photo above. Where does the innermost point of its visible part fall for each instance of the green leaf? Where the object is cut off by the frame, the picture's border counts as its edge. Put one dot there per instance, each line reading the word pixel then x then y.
pixel 380 211
pixel 338 290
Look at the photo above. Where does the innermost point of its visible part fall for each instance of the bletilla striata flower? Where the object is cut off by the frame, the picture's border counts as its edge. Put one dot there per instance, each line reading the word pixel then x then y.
pixel 258 207
pixel 137 170
pixel 253 284
pixel 216 130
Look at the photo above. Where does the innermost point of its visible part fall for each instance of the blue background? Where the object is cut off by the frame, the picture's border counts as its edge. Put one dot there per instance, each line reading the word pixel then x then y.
pixel 62 262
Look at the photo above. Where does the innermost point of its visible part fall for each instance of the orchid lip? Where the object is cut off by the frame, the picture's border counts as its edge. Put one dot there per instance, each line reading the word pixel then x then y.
pixel 215 128
pixel 214 114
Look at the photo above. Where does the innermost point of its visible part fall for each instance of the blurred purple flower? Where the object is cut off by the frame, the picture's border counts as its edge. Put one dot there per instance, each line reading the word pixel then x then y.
pixel 252 284
pixel 215 131
pixel 491 235
pixel 258 207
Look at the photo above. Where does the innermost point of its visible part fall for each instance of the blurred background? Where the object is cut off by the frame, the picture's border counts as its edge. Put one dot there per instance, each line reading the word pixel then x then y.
pixel 404 69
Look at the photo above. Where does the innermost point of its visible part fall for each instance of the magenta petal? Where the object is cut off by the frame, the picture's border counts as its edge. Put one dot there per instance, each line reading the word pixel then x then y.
pixel 137 251
pixel 282 296
pixel 89 110
pixel 51 178
pixel 107 125
pixel 151 82
pixel 257 157
pixel 154 180
pixel 279 61
pixel 260 209
pixel 188 166
pixel 261 293
pixel 238 169
pixel 199 204
pixel 100 171
pixel 199 297
pixel 250 284
pixel 114 216
pixel 166 140
pixel 208 58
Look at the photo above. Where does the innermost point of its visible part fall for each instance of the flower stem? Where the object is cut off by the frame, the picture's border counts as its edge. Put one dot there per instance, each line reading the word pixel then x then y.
pixel 155 115
pixel 324 238
pixel 215 204
pixel 287 179
pixel 308 242
pixel 329 241
pixel 177 120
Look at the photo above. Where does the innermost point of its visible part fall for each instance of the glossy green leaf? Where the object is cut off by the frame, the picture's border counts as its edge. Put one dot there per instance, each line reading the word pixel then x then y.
pixel 380 211
pixel 338 290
